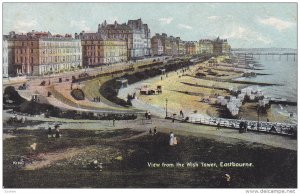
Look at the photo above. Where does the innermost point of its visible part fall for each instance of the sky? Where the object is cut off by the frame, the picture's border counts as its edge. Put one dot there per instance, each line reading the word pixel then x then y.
pixel 245 25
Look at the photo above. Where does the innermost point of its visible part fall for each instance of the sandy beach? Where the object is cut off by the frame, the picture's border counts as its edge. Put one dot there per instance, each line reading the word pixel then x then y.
pixel 181 91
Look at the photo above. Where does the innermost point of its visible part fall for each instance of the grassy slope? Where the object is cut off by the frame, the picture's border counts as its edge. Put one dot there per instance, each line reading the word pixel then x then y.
pixel 273 167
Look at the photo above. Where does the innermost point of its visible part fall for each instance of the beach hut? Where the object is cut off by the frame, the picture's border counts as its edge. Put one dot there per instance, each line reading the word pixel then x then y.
pixel 223 102
pixel 252 97
pixel 235 112
pixel 241 96
pixel 219 99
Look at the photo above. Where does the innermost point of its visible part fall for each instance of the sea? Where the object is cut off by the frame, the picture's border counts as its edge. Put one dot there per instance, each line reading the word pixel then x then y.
pixel 281 69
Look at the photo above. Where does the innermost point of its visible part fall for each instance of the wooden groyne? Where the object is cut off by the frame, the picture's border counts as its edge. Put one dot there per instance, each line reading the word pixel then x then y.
pixel 283 102
pixel 235 81
pixel 240 67
pixel 203 86
pixel 230 70
pixel 189 93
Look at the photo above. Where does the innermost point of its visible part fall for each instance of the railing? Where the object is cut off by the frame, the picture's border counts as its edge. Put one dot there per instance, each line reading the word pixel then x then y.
pixel 265 127
pixel 262 53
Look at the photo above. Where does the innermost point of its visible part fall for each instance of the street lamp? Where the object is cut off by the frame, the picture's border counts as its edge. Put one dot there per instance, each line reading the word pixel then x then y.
pixel 49 74
pixel 166 107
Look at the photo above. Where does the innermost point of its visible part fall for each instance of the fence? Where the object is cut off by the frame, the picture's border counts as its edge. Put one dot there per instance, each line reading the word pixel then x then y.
pixel 262 126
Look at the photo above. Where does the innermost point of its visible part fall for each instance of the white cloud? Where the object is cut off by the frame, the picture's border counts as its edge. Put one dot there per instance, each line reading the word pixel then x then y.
pixel 185 26
pixel 81 24
pixel 213 17
pixel 279 24
pixel 25 26
pixel 246 35
pixel 165 20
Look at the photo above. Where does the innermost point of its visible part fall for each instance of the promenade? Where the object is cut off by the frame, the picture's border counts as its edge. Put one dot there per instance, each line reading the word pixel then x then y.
pixel 225 135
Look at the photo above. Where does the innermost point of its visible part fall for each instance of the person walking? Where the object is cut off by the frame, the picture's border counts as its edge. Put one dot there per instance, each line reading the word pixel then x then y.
pixel 245 126
pixel 114 120
pixel 49 132
pixel 150 131
pixel 241 126
pixel 218 126
pixel 181 113
pixel 154 130
pixel 171 141
pixel 273 129
pixel 173 118
pixel 57 132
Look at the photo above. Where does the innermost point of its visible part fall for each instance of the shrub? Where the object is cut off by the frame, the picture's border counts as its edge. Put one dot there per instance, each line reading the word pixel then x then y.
pixel 77 94
pixel 11 94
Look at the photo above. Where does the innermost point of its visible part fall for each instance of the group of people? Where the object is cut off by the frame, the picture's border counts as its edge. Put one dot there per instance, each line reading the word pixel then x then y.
pixel 56 132
pixel 154 131
pixel 148 115
pixel 97 99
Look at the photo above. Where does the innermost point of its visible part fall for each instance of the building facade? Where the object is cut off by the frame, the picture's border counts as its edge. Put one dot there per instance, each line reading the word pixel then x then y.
pixel 206 46
pixel 141 39
pixel 57 54
pixel 97 50
pixel 190 48
pixel 170 46
pixel 221 46
pixel 4 58
pixel 226 48
pixel 113 51
pixel 117 31
pixel 136 34
pixel 40 53
pixel 156 45
pixel 180 46
pixel 217 46
pixel 174 46
pixel 197 48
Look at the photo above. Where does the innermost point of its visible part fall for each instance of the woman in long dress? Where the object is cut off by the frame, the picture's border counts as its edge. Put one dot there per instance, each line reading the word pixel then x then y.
pixel 171 139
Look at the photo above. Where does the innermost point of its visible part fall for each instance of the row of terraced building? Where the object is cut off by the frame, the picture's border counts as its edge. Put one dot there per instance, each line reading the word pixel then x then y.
pixel 42 53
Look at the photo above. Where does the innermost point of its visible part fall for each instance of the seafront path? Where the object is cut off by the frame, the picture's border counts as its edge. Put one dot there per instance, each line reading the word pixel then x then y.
pixel 166 126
